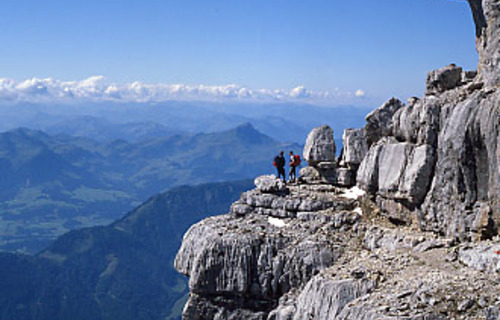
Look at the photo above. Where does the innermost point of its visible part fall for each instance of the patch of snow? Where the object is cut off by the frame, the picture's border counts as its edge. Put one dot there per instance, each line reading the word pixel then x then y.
pixel 358 210
pixel 276 222
pixel 353 193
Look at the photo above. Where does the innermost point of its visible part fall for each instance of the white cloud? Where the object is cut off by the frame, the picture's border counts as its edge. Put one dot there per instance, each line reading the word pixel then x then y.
pixel 299 92
pixel 359 93
pixel 98 89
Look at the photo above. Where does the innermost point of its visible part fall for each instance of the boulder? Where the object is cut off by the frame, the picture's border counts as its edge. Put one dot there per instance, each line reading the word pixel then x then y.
pixel 320 146
pixel 345 177
pixel 379 121
pixel 443 79
pixel 270 184
pixel 355 147
pixel 322 173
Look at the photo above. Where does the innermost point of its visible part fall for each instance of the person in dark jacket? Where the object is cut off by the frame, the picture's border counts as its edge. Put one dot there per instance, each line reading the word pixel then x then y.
pixel 279 163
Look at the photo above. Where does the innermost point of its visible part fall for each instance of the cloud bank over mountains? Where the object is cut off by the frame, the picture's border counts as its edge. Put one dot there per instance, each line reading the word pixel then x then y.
pixel 98 89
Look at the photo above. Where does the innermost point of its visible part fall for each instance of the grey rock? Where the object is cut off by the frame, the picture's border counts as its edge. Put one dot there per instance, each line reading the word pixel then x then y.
pixel 469 76
pixel 320 146
pixel 379 121
pixel 464 305
pixel 319 174
pixel 324 298
pixel 224 308
pixel 391 166
pixel 346 177
pixel 395 172
pixel 228 255
pixel 367 175
pixel 270 184
pixel 443 79
pixel 486 14
pixel 483 257
pixel 418 122
pixel 355 147
pixel 492 313
pixel 288 205
pixel 467 170
pixel 417 174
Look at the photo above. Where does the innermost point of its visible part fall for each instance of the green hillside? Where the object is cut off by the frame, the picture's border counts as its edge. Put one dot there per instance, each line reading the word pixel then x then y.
pixel 120 271
pixel 52 184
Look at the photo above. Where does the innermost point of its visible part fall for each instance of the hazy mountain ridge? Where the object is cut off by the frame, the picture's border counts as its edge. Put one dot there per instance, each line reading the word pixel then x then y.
pixel 52 184
pixel 104 121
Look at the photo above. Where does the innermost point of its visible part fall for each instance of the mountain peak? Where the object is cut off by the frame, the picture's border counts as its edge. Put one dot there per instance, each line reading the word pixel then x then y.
pixel 247 133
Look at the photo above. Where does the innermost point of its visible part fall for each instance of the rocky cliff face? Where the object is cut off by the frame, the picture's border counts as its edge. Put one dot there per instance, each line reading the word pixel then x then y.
pixel 403 226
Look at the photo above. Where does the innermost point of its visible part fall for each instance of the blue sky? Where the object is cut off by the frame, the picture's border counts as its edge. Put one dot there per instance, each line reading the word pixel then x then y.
pixel 383 47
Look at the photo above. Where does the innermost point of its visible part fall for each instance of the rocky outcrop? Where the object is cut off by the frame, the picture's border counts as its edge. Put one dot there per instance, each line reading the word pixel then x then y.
pixel 416 238
pixel 270 184
pixel 486 15
pixel 320 146
pixel 355 147
pixel 446 78
pixel 240 264
pixel 379 121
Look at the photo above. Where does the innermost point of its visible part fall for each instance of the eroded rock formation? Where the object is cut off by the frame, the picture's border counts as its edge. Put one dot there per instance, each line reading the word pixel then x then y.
pixel 416 238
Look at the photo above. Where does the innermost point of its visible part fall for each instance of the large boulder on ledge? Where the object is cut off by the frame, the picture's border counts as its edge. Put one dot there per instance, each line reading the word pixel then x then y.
pixel 320 146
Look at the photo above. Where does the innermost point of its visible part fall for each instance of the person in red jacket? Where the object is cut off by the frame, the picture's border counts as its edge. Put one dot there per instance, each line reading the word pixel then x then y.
pixel 292 175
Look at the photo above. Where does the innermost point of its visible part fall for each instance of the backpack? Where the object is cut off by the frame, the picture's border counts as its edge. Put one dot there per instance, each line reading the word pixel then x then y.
pixel 275 162
pixel 296 160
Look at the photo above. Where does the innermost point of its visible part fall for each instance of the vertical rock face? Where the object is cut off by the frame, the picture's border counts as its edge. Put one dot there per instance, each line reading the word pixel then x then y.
pixel 320 146
pixel 439 164
pixel 486 15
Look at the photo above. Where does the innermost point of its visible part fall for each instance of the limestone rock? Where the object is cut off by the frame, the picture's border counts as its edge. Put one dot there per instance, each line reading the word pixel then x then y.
pixel 345 177
pixel 398 175
pixel 325 298
pixel 467 170
pixel 443 79
pixel 483 257
pixel 355 147
pixel 317 174
pixel 288 205
pixel 246 258
pixel 419 122
pixel 379 121
pixel 486 15
pixel 320 146
pixel 270 184
pixel 397 170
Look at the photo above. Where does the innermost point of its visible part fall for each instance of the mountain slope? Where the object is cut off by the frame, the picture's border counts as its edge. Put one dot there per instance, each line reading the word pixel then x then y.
pixel 52 184
pixel 121 271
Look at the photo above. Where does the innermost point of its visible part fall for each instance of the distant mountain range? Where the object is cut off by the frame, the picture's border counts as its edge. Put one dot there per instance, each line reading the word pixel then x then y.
pixel 102 130
pixel 120 271
pixel 51 184
pixel 104 121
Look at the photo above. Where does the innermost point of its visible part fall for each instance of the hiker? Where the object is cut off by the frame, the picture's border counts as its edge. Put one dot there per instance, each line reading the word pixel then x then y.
pixel 279 163
pixel 294 163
